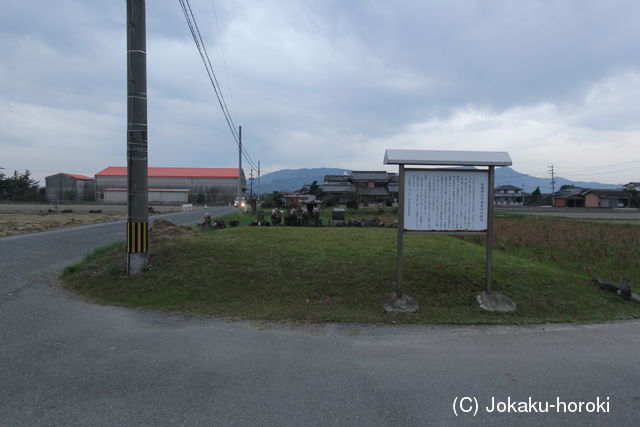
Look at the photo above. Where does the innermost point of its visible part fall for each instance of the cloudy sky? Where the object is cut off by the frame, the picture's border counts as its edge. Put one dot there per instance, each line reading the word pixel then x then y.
pixel 328 83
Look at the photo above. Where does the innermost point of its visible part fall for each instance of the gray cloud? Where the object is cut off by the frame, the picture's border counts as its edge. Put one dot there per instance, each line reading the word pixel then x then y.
pixel 317 83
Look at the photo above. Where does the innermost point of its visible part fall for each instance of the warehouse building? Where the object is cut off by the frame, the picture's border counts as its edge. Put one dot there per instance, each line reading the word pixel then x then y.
pixel 63 187
pixel 173 185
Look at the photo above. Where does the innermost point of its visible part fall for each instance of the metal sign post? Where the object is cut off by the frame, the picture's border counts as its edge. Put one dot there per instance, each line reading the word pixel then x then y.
pixel 446 201
pixel 489 242
pixel 400 260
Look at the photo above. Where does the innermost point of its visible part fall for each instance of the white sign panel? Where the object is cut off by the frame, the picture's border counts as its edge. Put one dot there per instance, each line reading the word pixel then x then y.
pixel 445 200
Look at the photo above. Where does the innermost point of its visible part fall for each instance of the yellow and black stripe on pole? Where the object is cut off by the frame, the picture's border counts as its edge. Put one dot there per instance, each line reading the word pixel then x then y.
pixel 137 237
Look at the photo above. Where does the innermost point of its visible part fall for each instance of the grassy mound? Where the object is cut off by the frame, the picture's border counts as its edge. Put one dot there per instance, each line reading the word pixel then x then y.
pixel 337 275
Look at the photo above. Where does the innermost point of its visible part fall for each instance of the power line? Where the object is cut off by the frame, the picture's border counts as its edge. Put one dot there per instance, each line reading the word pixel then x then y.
pixel 600 166
pixel 202 49
pixel 224 56
pixel 587 174
pixel 204 55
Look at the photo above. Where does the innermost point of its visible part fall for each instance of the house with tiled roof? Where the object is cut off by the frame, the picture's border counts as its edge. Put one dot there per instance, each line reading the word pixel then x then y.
pixel 508 195
pixel 632 186
pixel 607 199
pixel 363 186
pixel 592 198
pixel 570 197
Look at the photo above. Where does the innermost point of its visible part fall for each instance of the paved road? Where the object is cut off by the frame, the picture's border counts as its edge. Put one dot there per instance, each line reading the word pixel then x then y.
pixel 67 362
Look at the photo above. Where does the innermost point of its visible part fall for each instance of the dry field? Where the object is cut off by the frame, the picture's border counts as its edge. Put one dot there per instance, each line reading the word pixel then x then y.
pixel 626 215
pixel 29 218
pixel 606 248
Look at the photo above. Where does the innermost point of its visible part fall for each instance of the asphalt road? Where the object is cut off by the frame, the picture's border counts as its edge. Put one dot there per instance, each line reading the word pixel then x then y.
pixel 67 362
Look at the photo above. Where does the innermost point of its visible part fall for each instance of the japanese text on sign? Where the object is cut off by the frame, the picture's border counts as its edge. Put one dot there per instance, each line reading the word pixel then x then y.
pixel 446 200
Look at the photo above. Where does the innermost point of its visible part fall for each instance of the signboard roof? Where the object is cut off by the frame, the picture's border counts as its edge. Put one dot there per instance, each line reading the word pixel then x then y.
pixel 448 158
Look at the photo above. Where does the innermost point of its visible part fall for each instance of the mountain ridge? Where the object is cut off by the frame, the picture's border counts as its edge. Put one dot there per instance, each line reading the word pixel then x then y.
pixel 295 179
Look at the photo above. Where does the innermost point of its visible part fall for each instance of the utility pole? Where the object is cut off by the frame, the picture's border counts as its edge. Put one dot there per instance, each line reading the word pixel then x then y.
pixel 259 193
pixel 251 183
pixel 137 199
pixel 553 185
pixel 239 189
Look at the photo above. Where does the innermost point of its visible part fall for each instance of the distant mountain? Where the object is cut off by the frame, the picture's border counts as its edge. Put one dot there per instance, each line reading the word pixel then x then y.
pixel 510 176
pixel 294 179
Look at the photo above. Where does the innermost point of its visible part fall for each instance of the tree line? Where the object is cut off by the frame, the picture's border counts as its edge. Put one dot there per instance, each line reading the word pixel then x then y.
pixel 19 187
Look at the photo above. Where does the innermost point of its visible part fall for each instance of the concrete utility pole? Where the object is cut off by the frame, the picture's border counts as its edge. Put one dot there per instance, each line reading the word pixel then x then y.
pixel 137 213
pixel 553 185
pixel 239 164
pixel 259 193
pixel 251 182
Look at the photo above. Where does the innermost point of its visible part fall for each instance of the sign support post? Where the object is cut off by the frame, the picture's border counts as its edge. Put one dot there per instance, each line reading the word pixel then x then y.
pixel 489 242
pixel 400 302
pixel 400 260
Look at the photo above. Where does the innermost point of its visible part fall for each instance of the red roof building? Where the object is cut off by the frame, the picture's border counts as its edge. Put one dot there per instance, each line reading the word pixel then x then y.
pixel 76 176
pixel 203 185
pixel 159 172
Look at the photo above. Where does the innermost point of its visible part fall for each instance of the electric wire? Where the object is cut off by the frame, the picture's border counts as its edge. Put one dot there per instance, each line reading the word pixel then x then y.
pixel 587 174
pixel 611 165
pixel 197 38
pixel 224 56
pixel 200 46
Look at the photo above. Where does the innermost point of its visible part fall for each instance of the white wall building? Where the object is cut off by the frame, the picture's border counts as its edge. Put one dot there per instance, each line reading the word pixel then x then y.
pixel 508 195
pixel 173 185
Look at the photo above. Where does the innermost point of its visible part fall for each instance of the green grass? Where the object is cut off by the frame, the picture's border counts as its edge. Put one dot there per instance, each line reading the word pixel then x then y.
pixel 339 275
pixel 93 256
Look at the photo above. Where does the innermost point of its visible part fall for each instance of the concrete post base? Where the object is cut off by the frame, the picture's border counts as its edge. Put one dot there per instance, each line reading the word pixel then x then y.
pixel 136 262
pixel 495 302
pixel 394 303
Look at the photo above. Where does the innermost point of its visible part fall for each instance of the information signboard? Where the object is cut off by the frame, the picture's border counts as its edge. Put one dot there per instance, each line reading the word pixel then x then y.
pixel 445 200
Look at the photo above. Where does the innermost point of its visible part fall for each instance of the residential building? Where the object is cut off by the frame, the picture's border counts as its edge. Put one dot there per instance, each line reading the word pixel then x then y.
pixel 572 197
pixel 607 199
pixel 362 186
pixel 576 197
pixel 508 195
